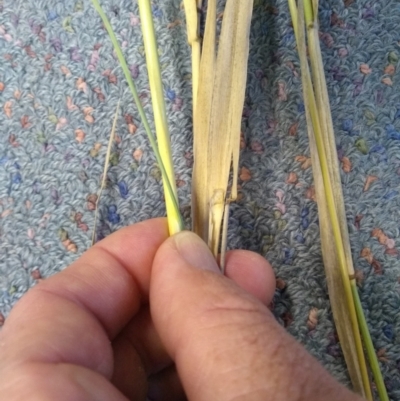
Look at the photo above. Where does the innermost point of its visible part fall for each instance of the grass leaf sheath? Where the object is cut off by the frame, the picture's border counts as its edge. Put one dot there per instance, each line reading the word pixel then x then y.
pixel 218 116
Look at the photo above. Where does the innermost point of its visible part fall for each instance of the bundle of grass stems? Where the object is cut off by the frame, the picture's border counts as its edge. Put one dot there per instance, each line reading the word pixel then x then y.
pixel 346 306
pixel 219 82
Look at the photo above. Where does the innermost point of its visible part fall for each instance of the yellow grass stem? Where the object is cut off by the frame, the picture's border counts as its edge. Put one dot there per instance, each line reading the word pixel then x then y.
pixel 293 14
pixel 160 115
pixel 339 245
pixel 311 21
pixel 168 185
pixel 196 49
pixel 359 373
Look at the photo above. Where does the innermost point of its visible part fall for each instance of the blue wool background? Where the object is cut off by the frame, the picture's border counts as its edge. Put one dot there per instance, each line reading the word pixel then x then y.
pixel 59 86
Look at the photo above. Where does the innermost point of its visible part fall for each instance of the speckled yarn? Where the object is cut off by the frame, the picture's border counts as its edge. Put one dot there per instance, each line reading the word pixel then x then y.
pixel 59 87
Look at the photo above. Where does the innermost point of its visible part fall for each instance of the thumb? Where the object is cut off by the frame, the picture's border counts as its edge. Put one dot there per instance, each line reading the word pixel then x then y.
pixel 226 344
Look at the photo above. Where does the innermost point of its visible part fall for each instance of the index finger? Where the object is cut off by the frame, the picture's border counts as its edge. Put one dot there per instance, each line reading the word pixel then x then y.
pixel 72 316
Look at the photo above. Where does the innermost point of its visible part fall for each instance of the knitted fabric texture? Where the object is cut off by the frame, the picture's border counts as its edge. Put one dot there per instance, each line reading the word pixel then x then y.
pixel 60 83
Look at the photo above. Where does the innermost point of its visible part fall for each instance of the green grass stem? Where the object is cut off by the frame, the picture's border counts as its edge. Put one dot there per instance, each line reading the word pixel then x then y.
pixel 140 108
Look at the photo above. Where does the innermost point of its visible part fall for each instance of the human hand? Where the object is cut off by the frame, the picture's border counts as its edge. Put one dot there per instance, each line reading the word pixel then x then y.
pixel 88 333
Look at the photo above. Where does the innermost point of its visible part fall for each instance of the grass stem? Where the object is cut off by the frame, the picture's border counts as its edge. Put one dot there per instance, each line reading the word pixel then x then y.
pixel 317 105
pixel 168 188
pixel 104 178
pixel 160 115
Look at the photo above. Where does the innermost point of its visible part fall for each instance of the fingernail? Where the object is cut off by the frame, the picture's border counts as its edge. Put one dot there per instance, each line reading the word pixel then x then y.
pixel 195 251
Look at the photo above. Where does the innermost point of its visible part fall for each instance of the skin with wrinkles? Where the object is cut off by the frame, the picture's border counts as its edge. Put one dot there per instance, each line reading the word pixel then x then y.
pixel 141 314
